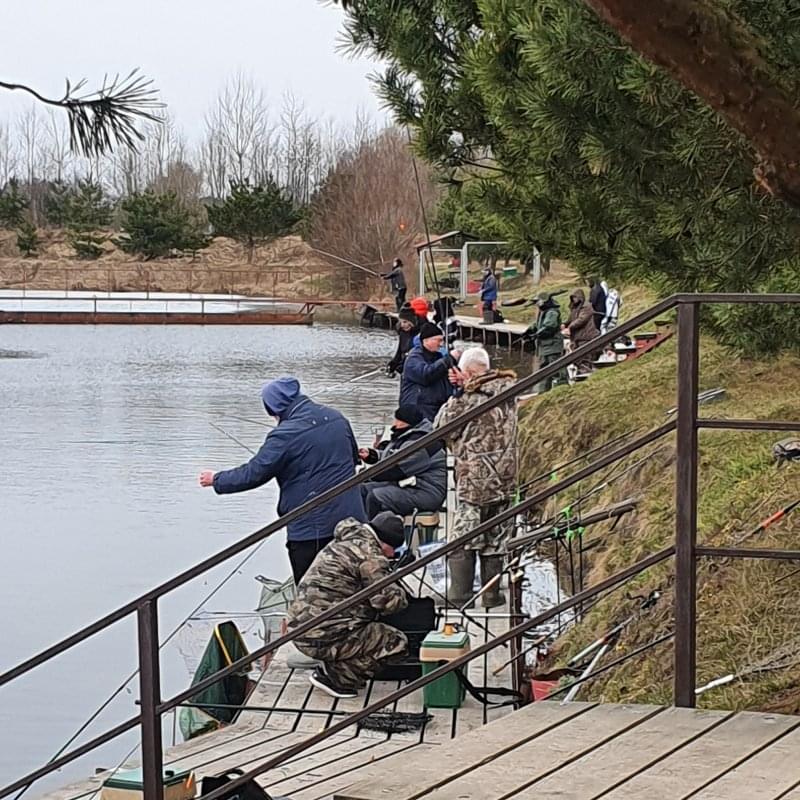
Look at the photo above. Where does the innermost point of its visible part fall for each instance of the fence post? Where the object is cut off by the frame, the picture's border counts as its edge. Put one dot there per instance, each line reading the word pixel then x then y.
pixel 150 696
pixel 686 507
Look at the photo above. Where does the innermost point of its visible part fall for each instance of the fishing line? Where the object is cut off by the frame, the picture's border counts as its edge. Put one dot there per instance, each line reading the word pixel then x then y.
pixel 232 438
pixel 236 569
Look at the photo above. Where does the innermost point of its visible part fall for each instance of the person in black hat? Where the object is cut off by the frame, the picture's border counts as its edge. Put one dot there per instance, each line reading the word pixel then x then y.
pixel 397 279
pixel 419 482
pixel 353 645
pixel 407 328
pixel 425 382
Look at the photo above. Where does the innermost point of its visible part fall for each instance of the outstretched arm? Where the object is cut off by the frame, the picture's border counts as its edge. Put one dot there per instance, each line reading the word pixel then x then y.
pixel 262 467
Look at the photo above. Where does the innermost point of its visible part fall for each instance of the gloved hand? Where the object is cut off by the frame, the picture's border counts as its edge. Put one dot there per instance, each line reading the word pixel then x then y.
pixel 390 371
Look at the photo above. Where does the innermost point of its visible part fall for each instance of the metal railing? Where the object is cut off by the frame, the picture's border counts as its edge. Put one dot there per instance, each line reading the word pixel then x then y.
pixel 686 424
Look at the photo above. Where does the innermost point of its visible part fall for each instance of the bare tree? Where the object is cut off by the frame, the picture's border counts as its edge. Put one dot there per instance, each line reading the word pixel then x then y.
pixel 56 151
pixel 368 209
pixel 237 123
pixel 9 157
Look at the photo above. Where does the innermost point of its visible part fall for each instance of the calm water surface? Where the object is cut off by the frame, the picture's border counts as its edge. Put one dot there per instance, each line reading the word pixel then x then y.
pixel 104 432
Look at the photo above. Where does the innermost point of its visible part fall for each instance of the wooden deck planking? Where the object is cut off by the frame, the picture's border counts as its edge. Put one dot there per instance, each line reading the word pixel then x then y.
pixel 707 758
pixel 462 755
pixel 605 765
pixel 510 774
pixel 764 776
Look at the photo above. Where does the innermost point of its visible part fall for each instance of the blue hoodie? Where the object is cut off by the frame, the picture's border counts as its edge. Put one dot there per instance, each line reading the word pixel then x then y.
pixel 311 450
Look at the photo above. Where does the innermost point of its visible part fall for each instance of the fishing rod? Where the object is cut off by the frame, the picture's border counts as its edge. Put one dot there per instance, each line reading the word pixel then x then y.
pixel 611 664
pixel 428 242
pixel 773 518
pixel 232 438
pixel 347 261
pixel 350 380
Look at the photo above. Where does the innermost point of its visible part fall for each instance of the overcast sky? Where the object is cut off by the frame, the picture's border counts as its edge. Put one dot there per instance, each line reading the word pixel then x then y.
pixel 189 48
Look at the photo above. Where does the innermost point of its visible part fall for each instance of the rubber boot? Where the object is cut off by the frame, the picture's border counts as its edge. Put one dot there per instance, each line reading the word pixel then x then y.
pixel 490 567
pixel 488 317
pixel 461 564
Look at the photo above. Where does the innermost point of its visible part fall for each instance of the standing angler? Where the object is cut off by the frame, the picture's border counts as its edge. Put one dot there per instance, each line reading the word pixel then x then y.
pixel 489 296
pixel 425 384
pixel 546 335
pixel 398 282
pixel 485 453
pixel 310 450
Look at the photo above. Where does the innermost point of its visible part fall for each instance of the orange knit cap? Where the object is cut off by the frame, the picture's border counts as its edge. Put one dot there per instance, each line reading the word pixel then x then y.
pixel 420 306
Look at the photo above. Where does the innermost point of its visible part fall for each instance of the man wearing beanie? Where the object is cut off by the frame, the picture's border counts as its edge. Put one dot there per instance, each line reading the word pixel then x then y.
pixel 425 384
pixel 310 450
pixel 353 645
pixel 418 482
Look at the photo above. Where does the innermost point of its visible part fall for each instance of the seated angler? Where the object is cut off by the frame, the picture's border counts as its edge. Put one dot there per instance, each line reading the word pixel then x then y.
pixel 419 482
pixel 355 644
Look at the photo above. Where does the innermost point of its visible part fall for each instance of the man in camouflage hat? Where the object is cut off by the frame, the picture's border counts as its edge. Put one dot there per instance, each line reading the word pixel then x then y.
pixel 353 645
pixel 548 340
pixel 485 453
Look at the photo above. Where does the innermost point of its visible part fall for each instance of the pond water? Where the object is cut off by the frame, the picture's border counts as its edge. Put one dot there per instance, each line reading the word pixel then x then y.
pixel 104 433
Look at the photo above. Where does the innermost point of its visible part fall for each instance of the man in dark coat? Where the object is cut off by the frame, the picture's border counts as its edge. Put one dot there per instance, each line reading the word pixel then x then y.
pixel 353 645
pixel 398 282
pixel 548 339
pixel 425 383
pixel 419 482
pixel 488 296
pixel 581 327
pixel 310 450
pixel 407 329
pixel 597 299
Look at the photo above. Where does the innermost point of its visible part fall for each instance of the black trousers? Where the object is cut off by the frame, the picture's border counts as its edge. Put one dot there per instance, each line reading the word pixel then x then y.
pixel 302 555
pixel 400 298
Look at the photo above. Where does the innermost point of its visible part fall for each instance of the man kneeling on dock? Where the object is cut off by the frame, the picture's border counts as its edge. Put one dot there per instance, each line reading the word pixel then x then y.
pixel 352 645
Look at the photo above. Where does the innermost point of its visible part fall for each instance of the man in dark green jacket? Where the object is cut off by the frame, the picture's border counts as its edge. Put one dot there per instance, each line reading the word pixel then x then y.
pixel 546 334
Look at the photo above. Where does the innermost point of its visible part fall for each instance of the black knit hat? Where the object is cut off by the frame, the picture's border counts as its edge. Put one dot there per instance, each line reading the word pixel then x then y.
pixel 389 528
pixel 408 414
pixel 428 330
pixel 408 314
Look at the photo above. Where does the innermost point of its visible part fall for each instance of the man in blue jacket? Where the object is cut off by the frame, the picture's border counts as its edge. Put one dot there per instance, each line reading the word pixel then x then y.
pixel 488 296
pixel 310 450
pixel 425 382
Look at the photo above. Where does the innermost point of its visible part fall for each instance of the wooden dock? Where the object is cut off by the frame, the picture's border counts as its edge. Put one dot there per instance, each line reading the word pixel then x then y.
pixel 507 335
pixel 583 751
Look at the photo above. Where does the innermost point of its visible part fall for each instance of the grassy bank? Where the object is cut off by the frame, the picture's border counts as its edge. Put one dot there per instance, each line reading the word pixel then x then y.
pixel 745 614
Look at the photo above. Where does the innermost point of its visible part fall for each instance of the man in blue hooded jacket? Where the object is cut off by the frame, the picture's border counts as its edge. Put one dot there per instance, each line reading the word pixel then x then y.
pixel 310 450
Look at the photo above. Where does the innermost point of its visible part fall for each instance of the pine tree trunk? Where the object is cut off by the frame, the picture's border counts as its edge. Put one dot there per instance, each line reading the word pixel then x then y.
pixel 712 53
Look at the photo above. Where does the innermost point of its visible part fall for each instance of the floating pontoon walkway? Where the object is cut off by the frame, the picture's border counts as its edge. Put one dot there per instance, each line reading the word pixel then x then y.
pixel 147 308
pixel 502 334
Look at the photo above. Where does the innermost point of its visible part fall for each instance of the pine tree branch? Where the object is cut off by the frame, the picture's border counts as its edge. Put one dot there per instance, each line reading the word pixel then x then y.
pixel 712 53
pixel 101 119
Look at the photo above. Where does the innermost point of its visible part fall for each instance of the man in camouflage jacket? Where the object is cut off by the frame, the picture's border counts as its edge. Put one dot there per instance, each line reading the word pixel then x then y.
pixel 485 453
pixel 353 645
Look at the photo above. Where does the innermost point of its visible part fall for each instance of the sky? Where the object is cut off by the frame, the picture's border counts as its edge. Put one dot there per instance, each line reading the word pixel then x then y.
pixel 190 48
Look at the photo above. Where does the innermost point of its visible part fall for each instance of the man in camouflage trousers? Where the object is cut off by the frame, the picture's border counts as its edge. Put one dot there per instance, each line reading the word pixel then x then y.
pixel 485 453
pixel 353 645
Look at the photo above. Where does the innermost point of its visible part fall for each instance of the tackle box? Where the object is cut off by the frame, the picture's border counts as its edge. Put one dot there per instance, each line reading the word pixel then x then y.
pixel 438 649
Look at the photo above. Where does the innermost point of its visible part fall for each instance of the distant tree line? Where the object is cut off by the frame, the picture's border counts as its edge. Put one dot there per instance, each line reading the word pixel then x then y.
pixel 253 176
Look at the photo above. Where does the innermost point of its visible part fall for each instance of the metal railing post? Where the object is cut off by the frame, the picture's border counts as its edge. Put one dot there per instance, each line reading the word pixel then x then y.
pixel 150 697
pixel 686 506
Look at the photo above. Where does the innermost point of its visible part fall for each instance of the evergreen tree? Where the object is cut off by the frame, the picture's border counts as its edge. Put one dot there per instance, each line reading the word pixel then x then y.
pixel 56 204
pixel 254 215
pixel 157 225
pixel 13 205
pixel 27 238
pixel 542 119
pixel 85 211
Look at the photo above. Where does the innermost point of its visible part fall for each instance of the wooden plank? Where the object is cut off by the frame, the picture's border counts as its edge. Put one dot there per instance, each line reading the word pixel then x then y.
pixel 708 757
pixel 762 777
pixel 602 768
pixel 533 761
pixel 461 755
